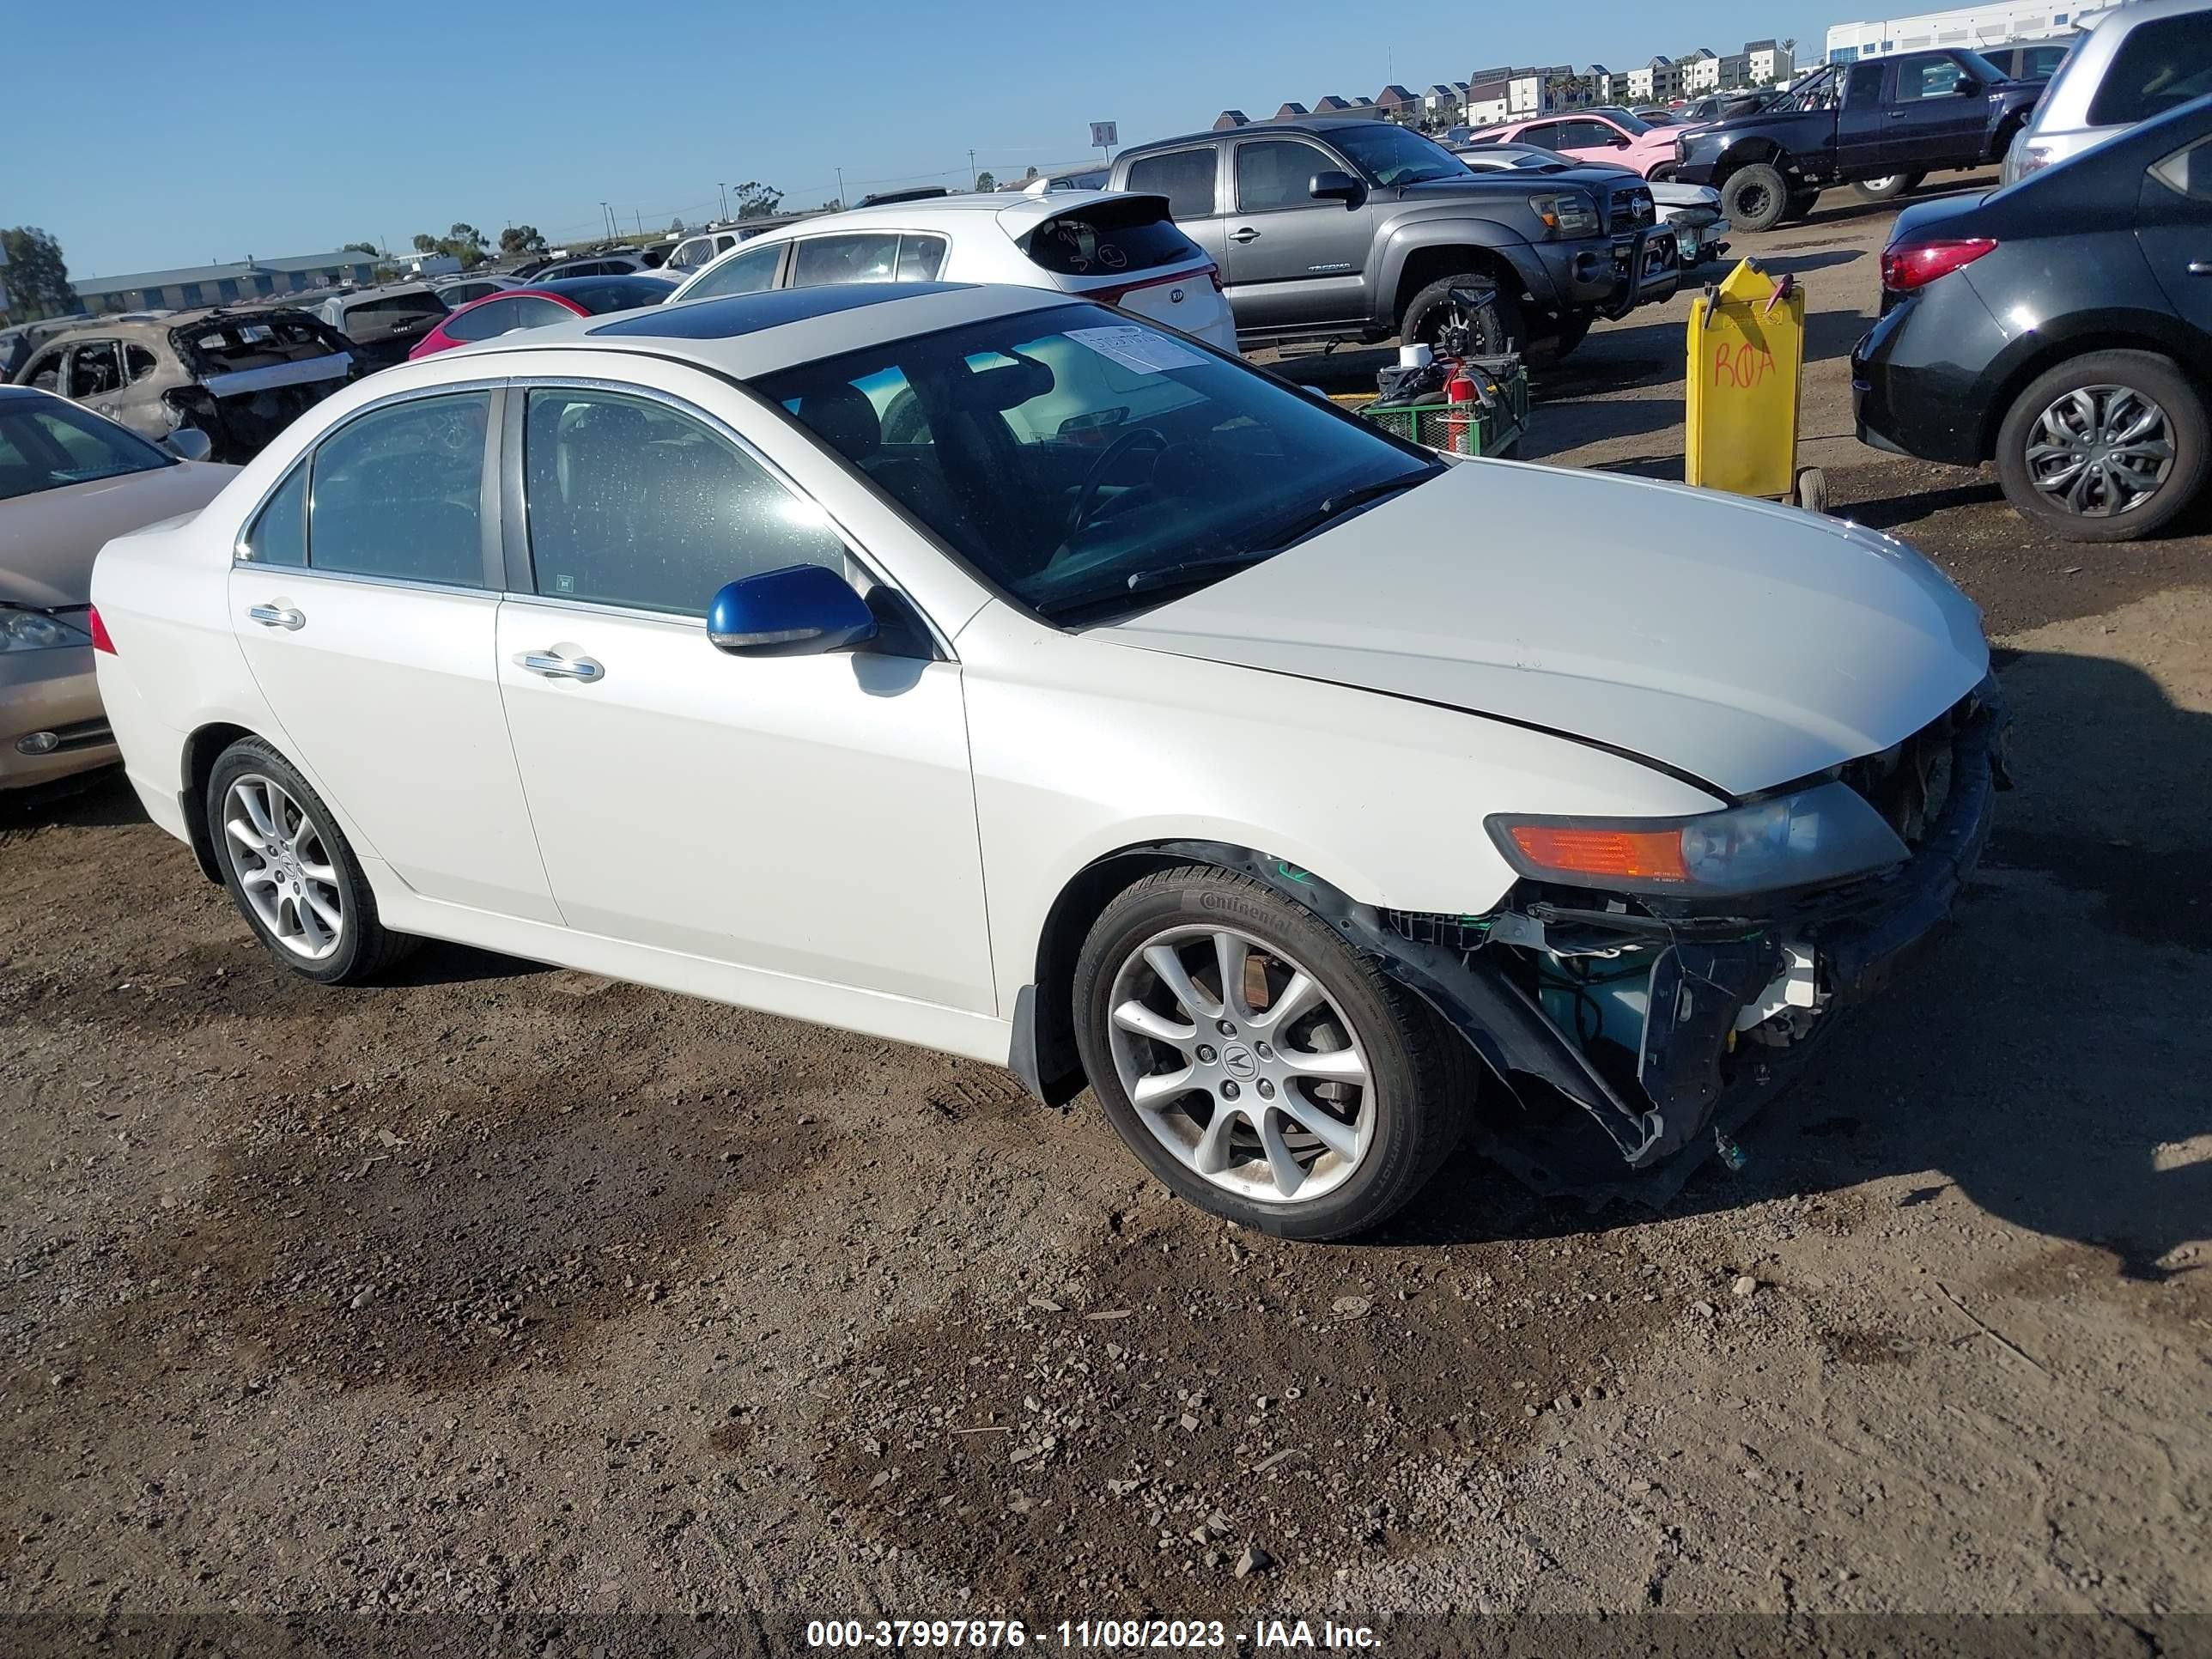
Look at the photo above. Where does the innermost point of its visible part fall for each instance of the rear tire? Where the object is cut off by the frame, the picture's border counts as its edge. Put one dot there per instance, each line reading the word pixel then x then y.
pixel 2112 402
pixel 291 872
pixel 1889 187
pixel 1755 197
pixel 1228 1085
pixel 1429 309
pixel 1801 205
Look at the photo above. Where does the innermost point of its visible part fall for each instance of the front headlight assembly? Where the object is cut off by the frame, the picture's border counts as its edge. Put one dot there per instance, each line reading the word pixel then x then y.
pixel 25 629
pixel 1823 833
pixel 1566 213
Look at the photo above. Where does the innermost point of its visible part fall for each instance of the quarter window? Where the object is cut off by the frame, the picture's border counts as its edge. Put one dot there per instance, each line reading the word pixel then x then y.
pixel 919 258
pixel 485 322
pixel 399 493
pixel 139 361
pixel 1277 173
pixel 1185 177
pixel 631 503
pixel 748 273
pixel 279 535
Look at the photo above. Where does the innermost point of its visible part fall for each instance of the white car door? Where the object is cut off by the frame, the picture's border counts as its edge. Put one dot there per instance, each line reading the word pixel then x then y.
pixel 363 597
pixel 810 817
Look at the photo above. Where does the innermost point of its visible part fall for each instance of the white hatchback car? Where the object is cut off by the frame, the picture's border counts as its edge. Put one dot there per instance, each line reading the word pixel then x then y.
pixel 1119 249
pixel 980 668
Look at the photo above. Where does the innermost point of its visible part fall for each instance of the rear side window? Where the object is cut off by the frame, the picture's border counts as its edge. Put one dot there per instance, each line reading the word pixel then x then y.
pixel 1185 177
pixel 748 273
pixel 868 257
pixel 919 258
pixel 2163 63
pixel 139 361
pixel 96 370
pixel 485 322
pixel 631 503
pixel 399 493
pixel 1106 239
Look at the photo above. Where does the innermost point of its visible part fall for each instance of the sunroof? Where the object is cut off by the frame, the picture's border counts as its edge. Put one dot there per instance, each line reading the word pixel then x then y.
pixel 748 313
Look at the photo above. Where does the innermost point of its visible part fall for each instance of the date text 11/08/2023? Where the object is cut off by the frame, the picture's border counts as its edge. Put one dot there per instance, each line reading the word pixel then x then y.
pixel 1088 1634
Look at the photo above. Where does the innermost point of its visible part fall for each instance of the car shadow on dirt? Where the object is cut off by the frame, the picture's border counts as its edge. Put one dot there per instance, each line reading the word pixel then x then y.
pixel 2045 1055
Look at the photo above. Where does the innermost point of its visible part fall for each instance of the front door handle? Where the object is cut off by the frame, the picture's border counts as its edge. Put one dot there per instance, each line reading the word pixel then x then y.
pixel 1896 115
pixel 1245 234
pixel 278 616
pixel 2200 267
pixel 561 668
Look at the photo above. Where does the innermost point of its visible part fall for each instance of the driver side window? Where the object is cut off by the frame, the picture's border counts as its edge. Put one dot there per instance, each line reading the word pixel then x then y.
pixel 1277 172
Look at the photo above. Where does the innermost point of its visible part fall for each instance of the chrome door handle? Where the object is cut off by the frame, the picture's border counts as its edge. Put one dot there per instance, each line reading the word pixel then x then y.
pixel 1245 234
pixel 1896 115
pixel 2200 267
pixel 561 668
pixel 278 616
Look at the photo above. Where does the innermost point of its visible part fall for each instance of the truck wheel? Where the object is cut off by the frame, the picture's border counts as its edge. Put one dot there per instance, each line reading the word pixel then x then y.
pixel 1258 1064
pixel 1755 197
pixel 1433 309
pixel 1801 204
pixel 1661 174
pixel 1889 187
pixel 2105 448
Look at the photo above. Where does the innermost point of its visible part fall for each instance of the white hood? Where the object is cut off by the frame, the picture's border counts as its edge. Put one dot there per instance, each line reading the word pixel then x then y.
pixel 1743 643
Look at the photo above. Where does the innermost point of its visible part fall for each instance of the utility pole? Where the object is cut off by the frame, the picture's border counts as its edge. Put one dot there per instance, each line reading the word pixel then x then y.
pixel 607 220
pixel 639 212
pixel 840 187
pixel 971 170
pixel 725 189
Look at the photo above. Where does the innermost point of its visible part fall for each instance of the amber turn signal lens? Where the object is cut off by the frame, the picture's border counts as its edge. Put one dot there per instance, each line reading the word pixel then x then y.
pixel 1650 854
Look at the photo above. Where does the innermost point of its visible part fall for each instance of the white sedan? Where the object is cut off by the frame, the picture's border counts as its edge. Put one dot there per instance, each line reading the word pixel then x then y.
pixel 980 668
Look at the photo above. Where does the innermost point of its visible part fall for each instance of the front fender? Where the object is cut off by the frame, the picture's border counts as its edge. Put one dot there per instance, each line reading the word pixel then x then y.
pixel 1403 238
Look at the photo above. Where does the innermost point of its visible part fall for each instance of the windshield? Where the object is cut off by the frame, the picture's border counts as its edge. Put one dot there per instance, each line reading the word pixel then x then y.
pixel 1983 69
pixel 1080 461
pixel 1627 123
pixel 46 444
pixel 1392 155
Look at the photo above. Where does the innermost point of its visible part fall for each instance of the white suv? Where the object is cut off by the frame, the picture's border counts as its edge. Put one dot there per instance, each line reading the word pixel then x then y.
pixel 2135 60
pixel 1121 249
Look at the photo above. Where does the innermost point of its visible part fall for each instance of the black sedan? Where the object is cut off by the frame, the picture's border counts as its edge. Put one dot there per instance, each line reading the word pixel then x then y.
pixel 2060 327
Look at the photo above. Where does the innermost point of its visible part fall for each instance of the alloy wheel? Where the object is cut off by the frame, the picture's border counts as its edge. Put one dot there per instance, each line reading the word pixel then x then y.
pixel 284 868
pixel 1887 183
pixel 2100 450
pixel 1241 1065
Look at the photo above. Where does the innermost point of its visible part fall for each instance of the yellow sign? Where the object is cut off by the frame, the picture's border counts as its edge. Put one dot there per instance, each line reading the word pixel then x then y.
pixel 1746 349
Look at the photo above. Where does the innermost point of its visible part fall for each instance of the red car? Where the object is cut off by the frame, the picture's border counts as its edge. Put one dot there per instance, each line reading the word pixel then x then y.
pixel 555 302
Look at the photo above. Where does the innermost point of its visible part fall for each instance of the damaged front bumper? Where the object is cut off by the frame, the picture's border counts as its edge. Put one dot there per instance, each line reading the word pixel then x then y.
pixel 1662 1025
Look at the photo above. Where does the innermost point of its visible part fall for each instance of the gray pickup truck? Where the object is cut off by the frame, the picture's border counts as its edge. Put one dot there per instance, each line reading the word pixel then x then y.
pixel 1355 229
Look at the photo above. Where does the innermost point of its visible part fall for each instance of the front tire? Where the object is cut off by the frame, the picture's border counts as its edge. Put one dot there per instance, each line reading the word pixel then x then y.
pixel 1255 1063
pixel 1755 196
pixel 2108 447
pixel 1889 187
pixel 1433 308
pixel 291 872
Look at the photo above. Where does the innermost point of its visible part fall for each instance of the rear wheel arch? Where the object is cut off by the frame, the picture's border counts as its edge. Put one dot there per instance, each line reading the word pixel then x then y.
pixel 2018 375
pixel 202 749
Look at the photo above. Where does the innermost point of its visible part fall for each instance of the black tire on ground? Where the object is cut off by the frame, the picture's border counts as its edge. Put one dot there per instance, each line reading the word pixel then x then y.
pixel 1428 311
pixel 1755 197
pixel 1419 1071
pixel 1661 174
pixel 365 948
pixel 1888 188
pixel 2146 375
pixel 1574 328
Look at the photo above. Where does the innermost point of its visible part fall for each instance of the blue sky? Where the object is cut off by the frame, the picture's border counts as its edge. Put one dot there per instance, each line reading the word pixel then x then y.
pixel 295 128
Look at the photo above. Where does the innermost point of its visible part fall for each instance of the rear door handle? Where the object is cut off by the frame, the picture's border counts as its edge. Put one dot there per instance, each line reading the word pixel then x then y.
pixel 1245 234
pixel 2200 267
pixel 561 668
pixel 278 616
pixel 1896 115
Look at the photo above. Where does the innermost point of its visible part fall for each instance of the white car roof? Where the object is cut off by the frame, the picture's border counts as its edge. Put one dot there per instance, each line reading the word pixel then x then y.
pixel 745 335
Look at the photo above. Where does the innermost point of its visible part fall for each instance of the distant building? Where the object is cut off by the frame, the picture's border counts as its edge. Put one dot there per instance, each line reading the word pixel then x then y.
pixel 1701 72
pixel 1443 104
pixel 1397 104
pixel 1769 64
pixel 1231 117
pixel 1972 27
pixel 211 285
pixel 1489 99
pixel 1291 112
pixel 1332 104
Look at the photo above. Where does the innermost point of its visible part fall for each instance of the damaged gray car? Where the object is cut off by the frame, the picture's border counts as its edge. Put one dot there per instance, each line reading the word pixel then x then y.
pixel 240 375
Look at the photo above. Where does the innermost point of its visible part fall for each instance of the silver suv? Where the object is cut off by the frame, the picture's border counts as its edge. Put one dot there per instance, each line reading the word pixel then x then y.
pixel 2135 60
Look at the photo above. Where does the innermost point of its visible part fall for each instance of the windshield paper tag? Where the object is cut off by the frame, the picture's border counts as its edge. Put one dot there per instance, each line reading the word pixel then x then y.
pixel 1139 348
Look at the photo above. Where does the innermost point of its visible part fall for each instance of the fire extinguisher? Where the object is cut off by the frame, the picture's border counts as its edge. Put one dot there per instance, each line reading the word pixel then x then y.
pixel 1460 391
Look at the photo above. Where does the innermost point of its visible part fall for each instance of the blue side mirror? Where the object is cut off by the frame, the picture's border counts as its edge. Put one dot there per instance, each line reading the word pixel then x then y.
pixel 800 611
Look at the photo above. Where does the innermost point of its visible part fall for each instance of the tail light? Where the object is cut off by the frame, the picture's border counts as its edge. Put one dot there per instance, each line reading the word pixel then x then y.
pixel 98 629
pixel 1908 266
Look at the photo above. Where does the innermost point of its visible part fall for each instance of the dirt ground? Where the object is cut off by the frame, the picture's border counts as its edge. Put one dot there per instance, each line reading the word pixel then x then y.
pixel 504 1289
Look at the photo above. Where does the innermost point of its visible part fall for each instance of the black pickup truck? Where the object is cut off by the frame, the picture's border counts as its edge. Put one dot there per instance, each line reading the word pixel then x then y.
pixel 1883 124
